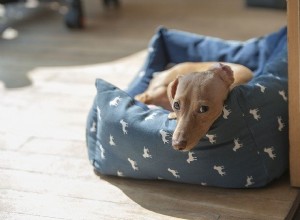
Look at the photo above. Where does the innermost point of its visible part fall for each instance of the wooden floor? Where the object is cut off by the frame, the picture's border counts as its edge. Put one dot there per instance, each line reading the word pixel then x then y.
pixel 44 170
pixel 110 34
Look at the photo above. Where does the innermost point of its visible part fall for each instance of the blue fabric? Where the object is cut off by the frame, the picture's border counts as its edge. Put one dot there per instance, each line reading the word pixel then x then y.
pixel 246 147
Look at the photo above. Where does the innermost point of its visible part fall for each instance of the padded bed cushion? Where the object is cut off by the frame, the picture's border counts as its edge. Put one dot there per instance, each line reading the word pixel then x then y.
pixel 246 147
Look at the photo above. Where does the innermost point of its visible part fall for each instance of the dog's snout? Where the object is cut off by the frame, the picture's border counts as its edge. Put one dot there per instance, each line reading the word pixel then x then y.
pixel 179 145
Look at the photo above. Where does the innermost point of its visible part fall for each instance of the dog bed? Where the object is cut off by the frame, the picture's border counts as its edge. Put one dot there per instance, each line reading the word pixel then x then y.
pixel 246 147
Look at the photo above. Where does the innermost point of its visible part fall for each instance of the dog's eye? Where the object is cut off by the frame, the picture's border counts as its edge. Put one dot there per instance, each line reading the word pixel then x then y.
pixel 203 109
pixel 176 105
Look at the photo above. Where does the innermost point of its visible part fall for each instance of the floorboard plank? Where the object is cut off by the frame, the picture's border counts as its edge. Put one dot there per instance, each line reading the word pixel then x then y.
pixel 167 198
pixel 72 208
pixel 48 164
pixel 22 216
pixel 62 148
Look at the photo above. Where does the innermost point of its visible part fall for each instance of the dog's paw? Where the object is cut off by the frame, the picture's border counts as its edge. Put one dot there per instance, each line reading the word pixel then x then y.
pixel 143 97
pixel 172 116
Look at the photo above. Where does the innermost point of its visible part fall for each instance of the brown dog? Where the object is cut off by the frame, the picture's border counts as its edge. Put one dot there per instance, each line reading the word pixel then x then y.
pixel 196 93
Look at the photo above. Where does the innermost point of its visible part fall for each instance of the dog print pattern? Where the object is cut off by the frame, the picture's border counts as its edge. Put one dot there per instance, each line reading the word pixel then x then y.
pixel 226 156
pixel 226 112
pixel 164 136
pixel 146 153
pixel 191 157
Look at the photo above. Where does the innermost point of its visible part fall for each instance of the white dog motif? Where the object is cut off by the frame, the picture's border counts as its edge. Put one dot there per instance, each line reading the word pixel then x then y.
pixel 146 153
pixel 119 173
pixel 270 152
pixel 133 164
pixel 115 102
pixel 93 128
pixel 191 157
pixel 237 144
pixel 281 125
pixel 174 173
pixel 164 136
pixel 111 140
pixel 282 93
pixel 150 117
pixel 226 112
pixel 124 126
pixel 220 170
pixel 262 88
pixel 249 181
pixel 211 138
pixel 255 114
pixel 102 151
pixel 99 113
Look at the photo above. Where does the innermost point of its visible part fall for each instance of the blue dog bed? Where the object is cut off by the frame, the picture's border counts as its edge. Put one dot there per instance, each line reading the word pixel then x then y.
pixel 246 147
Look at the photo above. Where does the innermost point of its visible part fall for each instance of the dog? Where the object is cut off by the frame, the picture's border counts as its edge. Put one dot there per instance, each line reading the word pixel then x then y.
pixel 195 93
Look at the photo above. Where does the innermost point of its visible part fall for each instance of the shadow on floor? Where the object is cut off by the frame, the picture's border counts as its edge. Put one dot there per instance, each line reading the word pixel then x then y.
pixel 12 81
pixel 189 201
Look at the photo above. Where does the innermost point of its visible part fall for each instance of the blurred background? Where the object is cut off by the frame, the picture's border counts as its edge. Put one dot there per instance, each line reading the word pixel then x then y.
pixel 51 33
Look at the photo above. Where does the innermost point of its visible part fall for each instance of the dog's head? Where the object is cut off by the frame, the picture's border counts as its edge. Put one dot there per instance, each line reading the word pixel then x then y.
pixel 197 100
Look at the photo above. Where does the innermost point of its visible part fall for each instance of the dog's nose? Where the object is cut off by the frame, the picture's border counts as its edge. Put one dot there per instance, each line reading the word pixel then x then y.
pixel 179 145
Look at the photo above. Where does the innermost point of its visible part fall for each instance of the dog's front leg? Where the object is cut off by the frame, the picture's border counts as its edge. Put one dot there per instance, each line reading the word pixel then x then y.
pixel 172 116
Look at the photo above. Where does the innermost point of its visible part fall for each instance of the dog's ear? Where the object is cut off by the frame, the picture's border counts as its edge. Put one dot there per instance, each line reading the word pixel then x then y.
pixel 226 73
pixel 172 87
